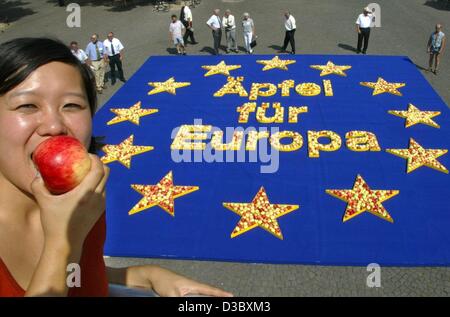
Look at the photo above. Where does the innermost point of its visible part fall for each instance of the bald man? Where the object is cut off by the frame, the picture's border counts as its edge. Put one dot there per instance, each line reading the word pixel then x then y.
pixel 215 24
pixel 290 27
pixel 435 48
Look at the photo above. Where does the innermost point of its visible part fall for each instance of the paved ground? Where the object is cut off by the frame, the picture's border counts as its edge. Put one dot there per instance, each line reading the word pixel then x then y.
pixel 324 27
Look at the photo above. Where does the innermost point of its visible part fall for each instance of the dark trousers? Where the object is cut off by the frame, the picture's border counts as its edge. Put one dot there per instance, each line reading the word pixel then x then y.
pixel 61 3
pixel 217 35
pixel 189 34
pixel 364 35
pixel 113 62
pixel 289 38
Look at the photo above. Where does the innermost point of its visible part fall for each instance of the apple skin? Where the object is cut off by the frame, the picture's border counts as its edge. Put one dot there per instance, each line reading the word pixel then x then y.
pixel 63 162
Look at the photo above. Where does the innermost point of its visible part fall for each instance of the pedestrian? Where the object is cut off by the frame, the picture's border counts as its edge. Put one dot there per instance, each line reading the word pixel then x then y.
pixel 249 32
pixel 215 24
pixel 176 29
pixel 79 53
pixel 229 25
pixel 114 52
pixel 187 20
pixel 290 27
pixel 436 45
pixel 95 51
pixel 363 24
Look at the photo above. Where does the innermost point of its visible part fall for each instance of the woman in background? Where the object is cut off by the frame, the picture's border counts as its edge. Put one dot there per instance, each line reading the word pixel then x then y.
pixel 249 32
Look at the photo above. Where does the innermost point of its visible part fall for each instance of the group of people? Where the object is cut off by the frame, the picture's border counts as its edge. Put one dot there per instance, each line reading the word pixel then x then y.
pixel 100 53
pixel 227 24
pixel 181 29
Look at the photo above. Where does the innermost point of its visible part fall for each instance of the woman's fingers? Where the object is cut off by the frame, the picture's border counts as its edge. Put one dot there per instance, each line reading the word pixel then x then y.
pixel 38 187
pixel 101 187
pixel 203 289
pixel 94 176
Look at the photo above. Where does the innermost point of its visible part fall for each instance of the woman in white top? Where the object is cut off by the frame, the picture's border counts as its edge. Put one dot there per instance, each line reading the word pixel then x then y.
pixel 435 48
pixel 249 32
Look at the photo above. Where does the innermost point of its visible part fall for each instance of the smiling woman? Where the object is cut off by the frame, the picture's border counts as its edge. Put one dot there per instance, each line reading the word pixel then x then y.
pixel 46 92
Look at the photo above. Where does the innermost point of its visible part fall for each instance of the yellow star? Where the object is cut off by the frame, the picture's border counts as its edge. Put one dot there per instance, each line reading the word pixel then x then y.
pixel 414 116
pixel 170 86
pixel 361 198
pixel 123 152
pixel 276 63
pixel 382 86
pixel 259 213
pixel 330 68
pixel 131 114
pixel 417 156
pixel 162 194
pixel 220 68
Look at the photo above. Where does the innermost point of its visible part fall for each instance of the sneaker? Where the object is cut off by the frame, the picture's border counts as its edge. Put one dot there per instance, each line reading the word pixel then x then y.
pixel 435 71
pixel 358 52
pixel 364 52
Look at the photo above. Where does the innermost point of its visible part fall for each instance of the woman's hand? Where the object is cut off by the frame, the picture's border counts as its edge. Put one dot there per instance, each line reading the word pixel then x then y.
pixel 167 283
pixel 69 217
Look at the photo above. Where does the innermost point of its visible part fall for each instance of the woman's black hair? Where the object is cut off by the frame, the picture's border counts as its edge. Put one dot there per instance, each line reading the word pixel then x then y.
pixel 21 56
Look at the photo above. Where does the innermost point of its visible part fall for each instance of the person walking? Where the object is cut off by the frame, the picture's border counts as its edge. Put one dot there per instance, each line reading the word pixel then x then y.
pixel 95 51
pixel 249 32
pixel 363 23
pixel 114 52
pixel 186 19
pixel 435 48
pixel 229 25
pixel 215 24
pixel 290 27
pixel 79 53
pixel 176 29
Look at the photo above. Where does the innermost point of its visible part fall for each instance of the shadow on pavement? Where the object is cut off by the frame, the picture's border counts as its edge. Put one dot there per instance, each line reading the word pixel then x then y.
pixel 113 5
pixel 347 47
pixel 208 49
pixel 418 66
pixel 11 11
pixel 172 51
pixel 438 4
pixel 275 47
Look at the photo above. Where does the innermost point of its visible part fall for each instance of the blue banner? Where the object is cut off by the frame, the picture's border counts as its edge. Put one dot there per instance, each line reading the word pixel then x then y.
pixel 312 159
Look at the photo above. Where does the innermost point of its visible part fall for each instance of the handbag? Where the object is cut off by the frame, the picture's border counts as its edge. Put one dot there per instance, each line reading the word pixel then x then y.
pixel 253 42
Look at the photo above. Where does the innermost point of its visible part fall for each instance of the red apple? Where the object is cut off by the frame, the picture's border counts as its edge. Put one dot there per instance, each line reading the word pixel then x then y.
pixel 63 162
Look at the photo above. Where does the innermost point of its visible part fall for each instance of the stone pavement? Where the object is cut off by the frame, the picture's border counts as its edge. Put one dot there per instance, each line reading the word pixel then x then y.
pixel 323 27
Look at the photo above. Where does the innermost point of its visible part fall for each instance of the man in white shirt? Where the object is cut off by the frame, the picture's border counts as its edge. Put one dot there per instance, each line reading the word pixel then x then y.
pixel 363 24
pixel 176 29
pixel 290 26
pixel 215 24
pixel 114 52
pixel 229 25
pixel 187 20
pixel 79 53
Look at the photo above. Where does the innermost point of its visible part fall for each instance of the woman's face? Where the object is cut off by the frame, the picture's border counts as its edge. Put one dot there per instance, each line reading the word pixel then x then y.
pixel 50 102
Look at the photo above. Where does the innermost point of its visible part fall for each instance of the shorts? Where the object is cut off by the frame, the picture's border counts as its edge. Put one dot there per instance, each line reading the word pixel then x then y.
pixel 435 50
pixel 178 40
